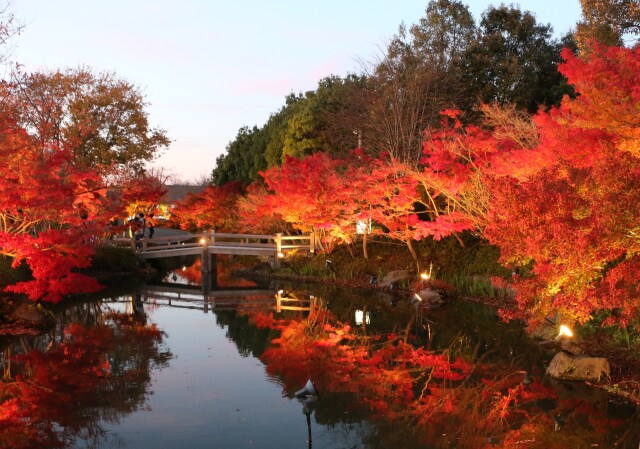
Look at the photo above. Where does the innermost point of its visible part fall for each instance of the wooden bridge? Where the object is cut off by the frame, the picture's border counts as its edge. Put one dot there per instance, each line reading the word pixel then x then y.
pixel 210 243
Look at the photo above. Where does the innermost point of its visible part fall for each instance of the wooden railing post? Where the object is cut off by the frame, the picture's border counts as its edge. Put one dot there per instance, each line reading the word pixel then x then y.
pixel 206 260
pixel 312 243
pixel 276 262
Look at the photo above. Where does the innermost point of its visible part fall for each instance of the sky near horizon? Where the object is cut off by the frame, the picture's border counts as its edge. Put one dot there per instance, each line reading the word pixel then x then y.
pixel 209 67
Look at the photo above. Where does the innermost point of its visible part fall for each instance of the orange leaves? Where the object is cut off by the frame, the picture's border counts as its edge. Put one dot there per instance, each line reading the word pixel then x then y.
pixel 573 211
pixel 214 208
pixel 607 82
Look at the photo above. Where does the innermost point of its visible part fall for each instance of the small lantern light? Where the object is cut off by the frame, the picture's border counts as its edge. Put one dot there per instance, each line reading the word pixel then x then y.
pixel 564 331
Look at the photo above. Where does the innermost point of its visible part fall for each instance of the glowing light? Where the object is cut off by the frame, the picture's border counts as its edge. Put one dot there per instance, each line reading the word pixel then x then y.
pixel 418 297
pixel 564 330
pixel 280 292
pixel 427 275
pixel 203 240
pixel 184 268
pixel 281 255
pixel 361 317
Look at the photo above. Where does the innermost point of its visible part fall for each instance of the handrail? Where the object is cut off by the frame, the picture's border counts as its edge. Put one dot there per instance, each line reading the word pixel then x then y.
pixel 235 242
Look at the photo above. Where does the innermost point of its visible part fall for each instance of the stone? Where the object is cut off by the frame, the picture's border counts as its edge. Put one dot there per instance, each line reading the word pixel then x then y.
pixel 394 278
pixel 30 312
pixel 580 367
pixel 430 298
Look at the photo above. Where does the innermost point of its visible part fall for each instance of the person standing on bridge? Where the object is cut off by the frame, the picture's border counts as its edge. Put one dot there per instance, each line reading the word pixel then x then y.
pixel 138 231
pixel 151 224
pixel 143 222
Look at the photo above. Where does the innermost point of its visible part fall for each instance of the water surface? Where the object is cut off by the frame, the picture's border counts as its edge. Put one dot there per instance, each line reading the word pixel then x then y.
pixel 167 369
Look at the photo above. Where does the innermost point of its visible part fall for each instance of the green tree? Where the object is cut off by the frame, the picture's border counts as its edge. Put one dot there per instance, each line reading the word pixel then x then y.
pixel 342 106
pixel 101 117
pixel 514 60
pixel 329 118
pixel 244 158
pixel 444 33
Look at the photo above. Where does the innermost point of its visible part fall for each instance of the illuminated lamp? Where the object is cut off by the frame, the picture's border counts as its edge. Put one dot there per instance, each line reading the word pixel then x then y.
pixel 564 331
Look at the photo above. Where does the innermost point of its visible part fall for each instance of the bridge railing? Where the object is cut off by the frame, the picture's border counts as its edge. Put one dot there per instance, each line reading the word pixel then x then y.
pixel 281 243
pixel 159 243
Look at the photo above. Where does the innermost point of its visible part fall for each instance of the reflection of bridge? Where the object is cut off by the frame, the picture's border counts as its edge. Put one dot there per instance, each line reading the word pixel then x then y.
pixel 211 243
pixel 232 298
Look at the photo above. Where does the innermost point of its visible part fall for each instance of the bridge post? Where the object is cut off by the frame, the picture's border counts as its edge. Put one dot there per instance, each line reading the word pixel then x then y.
pixel 312 243
pixel 276 261
pixel 204 265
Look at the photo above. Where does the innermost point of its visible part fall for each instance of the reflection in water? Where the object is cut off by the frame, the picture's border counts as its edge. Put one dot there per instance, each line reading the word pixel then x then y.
pixel 454 396
pixel 58 388
pixel 389 375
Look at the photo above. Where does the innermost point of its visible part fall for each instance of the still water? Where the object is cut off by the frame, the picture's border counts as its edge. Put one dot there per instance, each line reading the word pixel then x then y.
pixel 160 367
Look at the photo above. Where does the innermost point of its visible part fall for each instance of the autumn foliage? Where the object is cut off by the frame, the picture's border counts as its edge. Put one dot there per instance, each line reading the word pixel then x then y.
pixel 575 217
pixel 213 209
pixel 54 211
pixel 51 211
pixel 557 193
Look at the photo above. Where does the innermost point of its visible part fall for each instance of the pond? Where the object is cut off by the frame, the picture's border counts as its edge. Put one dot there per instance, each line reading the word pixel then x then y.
pixel 271 365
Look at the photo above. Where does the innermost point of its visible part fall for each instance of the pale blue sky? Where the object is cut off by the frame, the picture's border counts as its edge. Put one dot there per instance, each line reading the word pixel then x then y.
pixel 208 67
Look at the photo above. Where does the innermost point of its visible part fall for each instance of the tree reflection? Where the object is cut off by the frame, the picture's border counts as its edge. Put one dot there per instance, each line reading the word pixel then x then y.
pixel 59 390
pixel 417 397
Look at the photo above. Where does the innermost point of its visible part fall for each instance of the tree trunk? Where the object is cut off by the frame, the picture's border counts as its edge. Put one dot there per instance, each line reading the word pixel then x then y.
pixel 364 245
pixel 413 254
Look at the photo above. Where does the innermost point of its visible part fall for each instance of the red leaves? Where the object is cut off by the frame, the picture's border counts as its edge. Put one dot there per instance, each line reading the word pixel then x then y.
pixel 608 83
pixel 46 404
pixel 51 211
pixel 214 208
pixel 573 217
pixel 563 196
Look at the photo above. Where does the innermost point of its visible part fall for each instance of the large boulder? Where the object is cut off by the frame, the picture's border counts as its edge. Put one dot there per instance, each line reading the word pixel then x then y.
pixel 578 367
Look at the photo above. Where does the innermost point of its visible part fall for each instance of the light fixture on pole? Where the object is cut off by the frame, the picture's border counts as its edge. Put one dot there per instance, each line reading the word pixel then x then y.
pixel 308 390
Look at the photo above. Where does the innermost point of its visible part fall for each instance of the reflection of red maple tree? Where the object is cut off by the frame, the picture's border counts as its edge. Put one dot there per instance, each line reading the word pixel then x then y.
pixel 47 402
pixel 474 404
pixel 224 274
